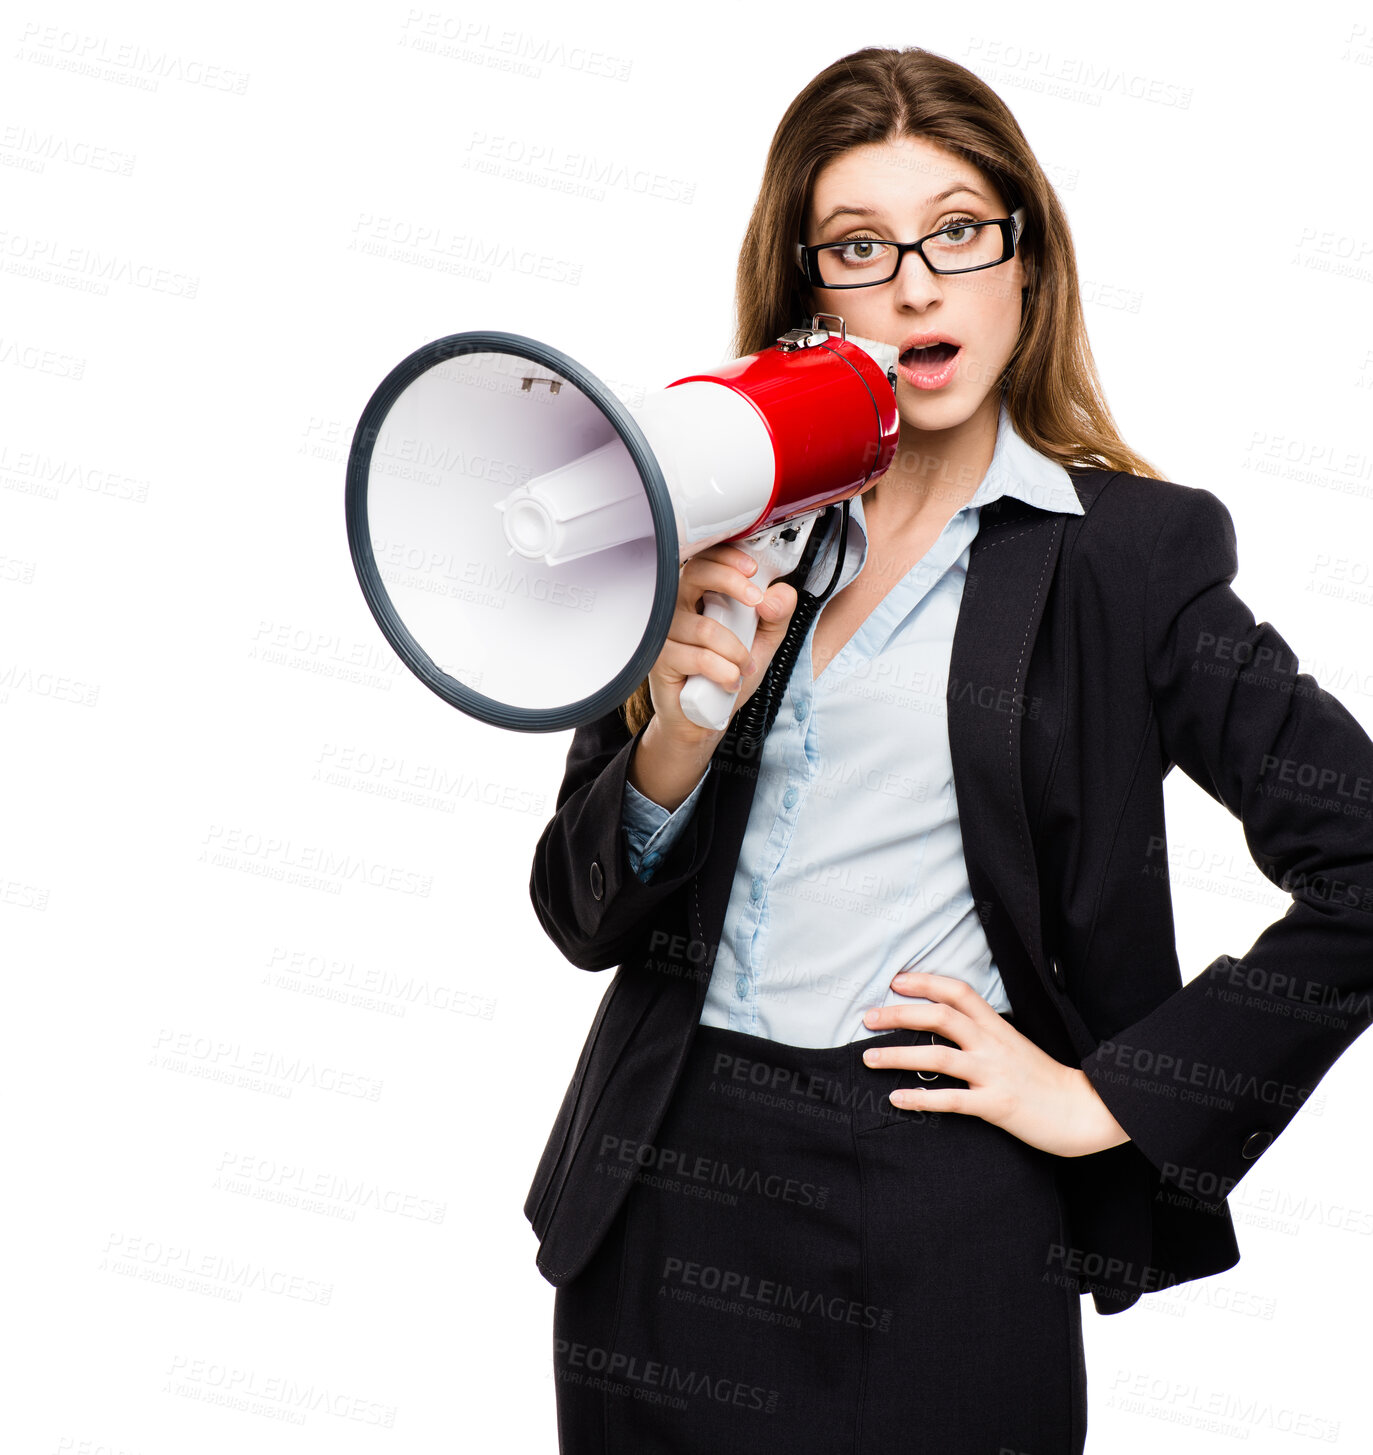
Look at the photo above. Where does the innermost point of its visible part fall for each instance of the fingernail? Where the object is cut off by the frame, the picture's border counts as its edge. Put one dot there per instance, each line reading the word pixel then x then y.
pixel 752 665
pixel 753 594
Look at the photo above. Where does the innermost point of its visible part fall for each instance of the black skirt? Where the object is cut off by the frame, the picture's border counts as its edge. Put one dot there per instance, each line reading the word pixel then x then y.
pixel 799 1265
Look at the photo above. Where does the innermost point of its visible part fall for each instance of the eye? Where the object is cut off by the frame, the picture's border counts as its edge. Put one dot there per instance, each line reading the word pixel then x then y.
pixel 961 229
pixel 861 252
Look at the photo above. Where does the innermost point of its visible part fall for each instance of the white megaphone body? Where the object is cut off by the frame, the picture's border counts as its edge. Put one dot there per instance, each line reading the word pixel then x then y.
pixel 518 530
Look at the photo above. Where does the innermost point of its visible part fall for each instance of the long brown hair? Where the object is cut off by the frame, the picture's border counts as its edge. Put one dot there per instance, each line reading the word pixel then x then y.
pixel 1050 384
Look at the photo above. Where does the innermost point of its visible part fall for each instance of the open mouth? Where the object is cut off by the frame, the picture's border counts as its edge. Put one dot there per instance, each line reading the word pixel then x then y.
pixel 930 357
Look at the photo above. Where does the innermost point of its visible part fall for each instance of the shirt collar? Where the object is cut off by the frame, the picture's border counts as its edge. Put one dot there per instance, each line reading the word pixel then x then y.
pixel 1021 470
pixel 1016 469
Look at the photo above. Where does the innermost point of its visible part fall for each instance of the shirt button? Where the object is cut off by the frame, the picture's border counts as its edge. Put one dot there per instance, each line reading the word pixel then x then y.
pixel 741 986
pixel 802 708
pixel 789 798
pixel 756 889
pixel 597 880
pixel 652 856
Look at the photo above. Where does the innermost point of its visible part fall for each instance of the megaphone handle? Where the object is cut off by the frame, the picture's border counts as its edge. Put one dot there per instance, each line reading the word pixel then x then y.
pixel 704 701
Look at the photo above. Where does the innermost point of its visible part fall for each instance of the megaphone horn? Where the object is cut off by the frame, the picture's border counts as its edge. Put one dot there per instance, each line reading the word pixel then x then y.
pixel 519 542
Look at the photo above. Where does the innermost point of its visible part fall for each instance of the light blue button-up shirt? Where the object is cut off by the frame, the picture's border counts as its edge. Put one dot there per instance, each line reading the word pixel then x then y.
pixel 851 867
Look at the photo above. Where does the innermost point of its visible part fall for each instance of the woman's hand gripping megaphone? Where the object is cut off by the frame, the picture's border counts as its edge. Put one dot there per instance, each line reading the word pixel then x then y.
pixel 722 638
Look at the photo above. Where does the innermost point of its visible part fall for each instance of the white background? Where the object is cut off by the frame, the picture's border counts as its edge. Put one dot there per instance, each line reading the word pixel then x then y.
pixel 195 696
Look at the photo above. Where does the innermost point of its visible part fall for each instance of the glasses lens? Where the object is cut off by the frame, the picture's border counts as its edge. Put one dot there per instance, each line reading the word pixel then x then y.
pixel 970 245
pixel 868 260
pixel 861 260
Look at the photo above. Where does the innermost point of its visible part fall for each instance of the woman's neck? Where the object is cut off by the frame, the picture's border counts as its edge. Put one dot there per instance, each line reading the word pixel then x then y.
pixel 934 472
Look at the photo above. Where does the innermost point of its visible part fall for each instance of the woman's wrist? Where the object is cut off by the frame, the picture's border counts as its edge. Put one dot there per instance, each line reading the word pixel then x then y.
pixel 1100 1128
pixel 666 768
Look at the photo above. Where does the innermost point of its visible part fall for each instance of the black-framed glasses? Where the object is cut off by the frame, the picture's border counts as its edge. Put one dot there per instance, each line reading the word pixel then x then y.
pixel 862 262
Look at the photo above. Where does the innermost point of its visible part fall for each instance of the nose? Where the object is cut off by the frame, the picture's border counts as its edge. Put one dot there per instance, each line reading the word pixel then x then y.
pixel 914 284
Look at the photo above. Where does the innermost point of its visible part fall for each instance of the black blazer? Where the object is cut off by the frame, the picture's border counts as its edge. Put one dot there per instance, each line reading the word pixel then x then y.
pixel 1092 653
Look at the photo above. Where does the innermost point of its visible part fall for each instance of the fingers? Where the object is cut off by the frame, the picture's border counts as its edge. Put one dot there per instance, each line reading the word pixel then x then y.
pixel 702 644
pixel 697 644
pixel 922 1057
pixel 776 607
pixel 727 555
pixel 705 645
pixel 730 578
pixel 719 666
pixel 950 991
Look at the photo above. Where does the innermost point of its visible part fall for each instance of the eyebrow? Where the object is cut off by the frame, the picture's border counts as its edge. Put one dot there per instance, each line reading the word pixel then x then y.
pixel 873 211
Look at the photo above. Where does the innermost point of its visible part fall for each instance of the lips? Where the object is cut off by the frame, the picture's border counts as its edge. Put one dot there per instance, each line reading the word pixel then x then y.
pixel 928 360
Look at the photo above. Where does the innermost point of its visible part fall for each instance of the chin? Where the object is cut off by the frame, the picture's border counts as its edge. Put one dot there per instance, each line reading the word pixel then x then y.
pixel 934 411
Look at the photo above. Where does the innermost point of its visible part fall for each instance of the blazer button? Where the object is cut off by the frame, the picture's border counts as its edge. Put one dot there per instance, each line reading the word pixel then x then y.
pixel 1255 1143
pixel 1056 971
pixel 597 880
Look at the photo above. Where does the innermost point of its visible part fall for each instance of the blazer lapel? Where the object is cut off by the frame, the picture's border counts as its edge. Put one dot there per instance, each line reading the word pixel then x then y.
pixel 1010 567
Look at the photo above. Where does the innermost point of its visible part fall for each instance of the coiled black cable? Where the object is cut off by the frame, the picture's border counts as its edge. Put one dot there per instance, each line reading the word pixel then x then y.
pixel 753 721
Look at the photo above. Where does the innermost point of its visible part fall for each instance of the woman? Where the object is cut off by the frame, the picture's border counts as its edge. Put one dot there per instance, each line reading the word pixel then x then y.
pixel 847 1228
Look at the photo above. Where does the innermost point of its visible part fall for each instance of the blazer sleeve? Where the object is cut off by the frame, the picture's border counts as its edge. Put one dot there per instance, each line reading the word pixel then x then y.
pixel 1207 1080
pixel 586 896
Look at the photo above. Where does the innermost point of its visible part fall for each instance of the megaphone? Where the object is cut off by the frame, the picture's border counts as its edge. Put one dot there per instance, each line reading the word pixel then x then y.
pixel 518 531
